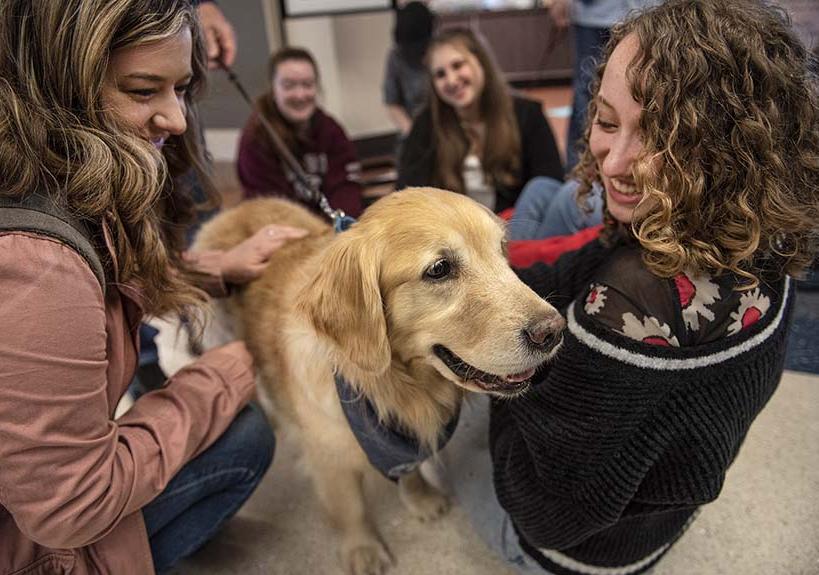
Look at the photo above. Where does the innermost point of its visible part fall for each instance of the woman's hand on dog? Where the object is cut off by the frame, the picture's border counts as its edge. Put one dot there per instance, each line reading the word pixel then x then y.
pixel 246 261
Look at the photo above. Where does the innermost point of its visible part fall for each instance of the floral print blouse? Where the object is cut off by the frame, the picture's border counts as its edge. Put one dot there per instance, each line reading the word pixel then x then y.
pixel 688 309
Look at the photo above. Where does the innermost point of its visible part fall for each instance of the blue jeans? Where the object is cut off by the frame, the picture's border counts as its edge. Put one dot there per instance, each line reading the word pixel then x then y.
pixel 209 489
pixel 588 44
pixel 548 207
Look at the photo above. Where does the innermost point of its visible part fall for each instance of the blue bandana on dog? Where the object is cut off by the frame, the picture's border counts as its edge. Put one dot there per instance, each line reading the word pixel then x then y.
pixel 389 450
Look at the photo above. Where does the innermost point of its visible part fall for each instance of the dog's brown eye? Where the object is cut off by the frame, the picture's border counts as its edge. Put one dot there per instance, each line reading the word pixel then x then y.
pixel 439 270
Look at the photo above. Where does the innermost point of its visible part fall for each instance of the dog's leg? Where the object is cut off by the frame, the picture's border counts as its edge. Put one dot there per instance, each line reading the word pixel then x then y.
pixel 340 491
pixel 421 499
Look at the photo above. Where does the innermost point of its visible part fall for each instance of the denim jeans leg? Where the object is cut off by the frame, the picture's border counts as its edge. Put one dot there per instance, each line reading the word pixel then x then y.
pixel 550 209
pixel 566 217
pixel 531 208
pixel 588 43
pixel 209 489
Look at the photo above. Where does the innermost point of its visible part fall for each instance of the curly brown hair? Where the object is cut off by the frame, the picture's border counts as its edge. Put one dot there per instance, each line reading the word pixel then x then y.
pixel 730 161
pixel 501 152
pixel 56 137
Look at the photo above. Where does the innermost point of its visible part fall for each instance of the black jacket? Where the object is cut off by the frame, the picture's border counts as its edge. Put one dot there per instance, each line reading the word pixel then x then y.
pixel 539 155
pixel 605 460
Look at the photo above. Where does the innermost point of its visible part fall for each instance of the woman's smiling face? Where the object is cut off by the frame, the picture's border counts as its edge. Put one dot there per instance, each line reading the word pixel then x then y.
pixel 616 140
pixel 295 87
pixel 145 87
pixel 457 76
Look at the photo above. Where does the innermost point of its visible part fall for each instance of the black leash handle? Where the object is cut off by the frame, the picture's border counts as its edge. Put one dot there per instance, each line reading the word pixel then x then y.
pixel 316 197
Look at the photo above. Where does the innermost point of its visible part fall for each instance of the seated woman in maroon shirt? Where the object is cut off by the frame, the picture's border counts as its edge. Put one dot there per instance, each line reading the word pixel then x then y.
pixel 315 139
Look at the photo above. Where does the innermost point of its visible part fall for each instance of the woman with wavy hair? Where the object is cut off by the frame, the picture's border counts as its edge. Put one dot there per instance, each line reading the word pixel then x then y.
pixel 474 137
pixel 97 120
pixel 704 138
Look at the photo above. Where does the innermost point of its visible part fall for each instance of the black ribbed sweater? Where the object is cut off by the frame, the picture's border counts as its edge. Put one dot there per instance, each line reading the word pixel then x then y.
pixel 606 459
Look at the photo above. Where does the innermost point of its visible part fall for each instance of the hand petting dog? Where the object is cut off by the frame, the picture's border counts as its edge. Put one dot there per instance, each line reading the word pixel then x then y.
pixel 247 260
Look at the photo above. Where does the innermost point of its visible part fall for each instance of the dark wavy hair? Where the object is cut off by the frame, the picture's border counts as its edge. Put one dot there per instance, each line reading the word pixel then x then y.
pixel 501 151
pixel 57 138
pixel 730 162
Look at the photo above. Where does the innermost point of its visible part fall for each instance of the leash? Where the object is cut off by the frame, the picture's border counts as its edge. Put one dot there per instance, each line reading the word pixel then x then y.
pixel 340 220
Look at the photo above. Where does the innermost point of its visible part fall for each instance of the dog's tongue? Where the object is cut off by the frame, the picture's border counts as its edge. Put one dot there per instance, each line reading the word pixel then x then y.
pixel 522 376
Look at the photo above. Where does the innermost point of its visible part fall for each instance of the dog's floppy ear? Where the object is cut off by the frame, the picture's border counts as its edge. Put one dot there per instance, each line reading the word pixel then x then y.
pixel 343 302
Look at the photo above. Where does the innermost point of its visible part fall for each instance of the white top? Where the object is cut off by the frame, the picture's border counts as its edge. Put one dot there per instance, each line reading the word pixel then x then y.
pixel 475 183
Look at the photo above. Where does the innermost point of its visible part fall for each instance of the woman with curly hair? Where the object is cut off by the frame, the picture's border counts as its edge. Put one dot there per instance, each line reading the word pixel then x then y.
pixel 474 137
pixel 97 126
pixel 704 138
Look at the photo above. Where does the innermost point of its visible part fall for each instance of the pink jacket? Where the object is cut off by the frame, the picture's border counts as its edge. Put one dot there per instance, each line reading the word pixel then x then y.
pixel 73 479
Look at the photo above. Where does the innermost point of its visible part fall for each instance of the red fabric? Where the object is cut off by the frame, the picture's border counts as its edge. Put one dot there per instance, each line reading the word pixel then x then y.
pixel 524 253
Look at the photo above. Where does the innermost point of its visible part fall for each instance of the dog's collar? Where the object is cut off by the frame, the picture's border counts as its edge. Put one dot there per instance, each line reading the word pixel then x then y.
pixel 390 450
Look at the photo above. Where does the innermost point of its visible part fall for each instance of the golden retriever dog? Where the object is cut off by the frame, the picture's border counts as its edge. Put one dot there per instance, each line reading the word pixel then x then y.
pixel 413 306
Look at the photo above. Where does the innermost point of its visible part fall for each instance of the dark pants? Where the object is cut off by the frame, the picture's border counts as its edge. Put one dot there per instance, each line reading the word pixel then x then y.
pixel 588 45
pixel 209 489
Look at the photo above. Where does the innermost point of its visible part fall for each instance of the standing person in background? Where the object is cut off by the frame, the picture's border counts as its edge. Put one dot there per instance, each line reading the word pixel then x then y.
pixel 405 77
pixel 80 491
pixel 316 140
pixel 591 22
pixel 704 137
pixel 474 137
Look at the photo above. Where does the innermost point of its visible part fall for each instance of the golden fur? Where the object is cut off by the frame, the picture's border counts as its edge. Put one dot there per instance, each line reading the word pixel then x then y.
pixel 362 302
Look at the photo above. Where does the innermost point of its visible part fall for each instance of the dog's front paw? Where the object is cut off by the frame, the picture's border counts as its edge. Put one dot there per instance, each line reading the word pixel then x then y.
pixel 365 556
pixel 422 500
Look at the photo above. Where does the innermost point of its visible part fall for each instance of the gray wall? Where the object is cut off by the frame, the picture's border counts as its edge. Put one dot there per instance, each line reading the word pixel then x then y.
pixel 223 107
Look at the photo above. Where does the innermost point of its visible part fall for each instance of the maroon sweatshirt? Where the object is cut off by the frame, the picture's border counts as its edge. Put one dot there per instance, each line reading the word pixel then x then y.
pixel 328 157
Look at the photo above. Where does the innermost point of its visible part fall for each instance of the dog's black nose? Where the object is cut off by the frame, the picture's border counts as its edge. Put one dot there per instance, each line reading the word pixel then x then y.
pixel 542 334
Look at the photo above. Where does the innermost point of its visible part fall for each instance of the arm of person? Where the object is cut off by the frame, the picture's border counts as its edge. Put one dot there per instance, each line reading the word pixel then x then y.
pixel 391 90
pixel 561 13
pixel 540 155
pixel 572 453
pixel 258 166
pixel 69 471
pixel 400 119
pixel 341 183
pixel 220 39
pixel 242 263
pixel 415 166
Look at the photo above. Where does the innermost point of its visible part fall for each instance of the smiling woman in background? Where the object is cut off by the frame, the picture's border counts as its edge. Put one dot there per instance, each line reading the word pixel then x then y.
pixel 315 139
pixel 97 124
pixel 474 137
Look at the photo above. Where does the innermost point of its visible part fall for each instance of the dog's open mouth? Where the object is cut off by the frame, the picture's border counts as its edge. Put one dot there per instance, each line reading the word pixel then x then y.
pixel 504 384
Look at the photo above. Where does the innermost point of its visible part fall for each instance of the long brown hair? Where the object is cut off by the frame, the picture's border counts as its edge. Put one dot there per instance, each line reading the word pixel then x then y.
pixel 730 161
pixel 267 102
pixel 501 148
pixel 56 137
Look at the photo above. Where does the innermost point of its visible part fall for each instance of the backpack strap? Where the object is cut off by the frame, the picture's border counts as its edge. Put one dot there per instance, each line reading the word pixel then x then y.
pixel 38 213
